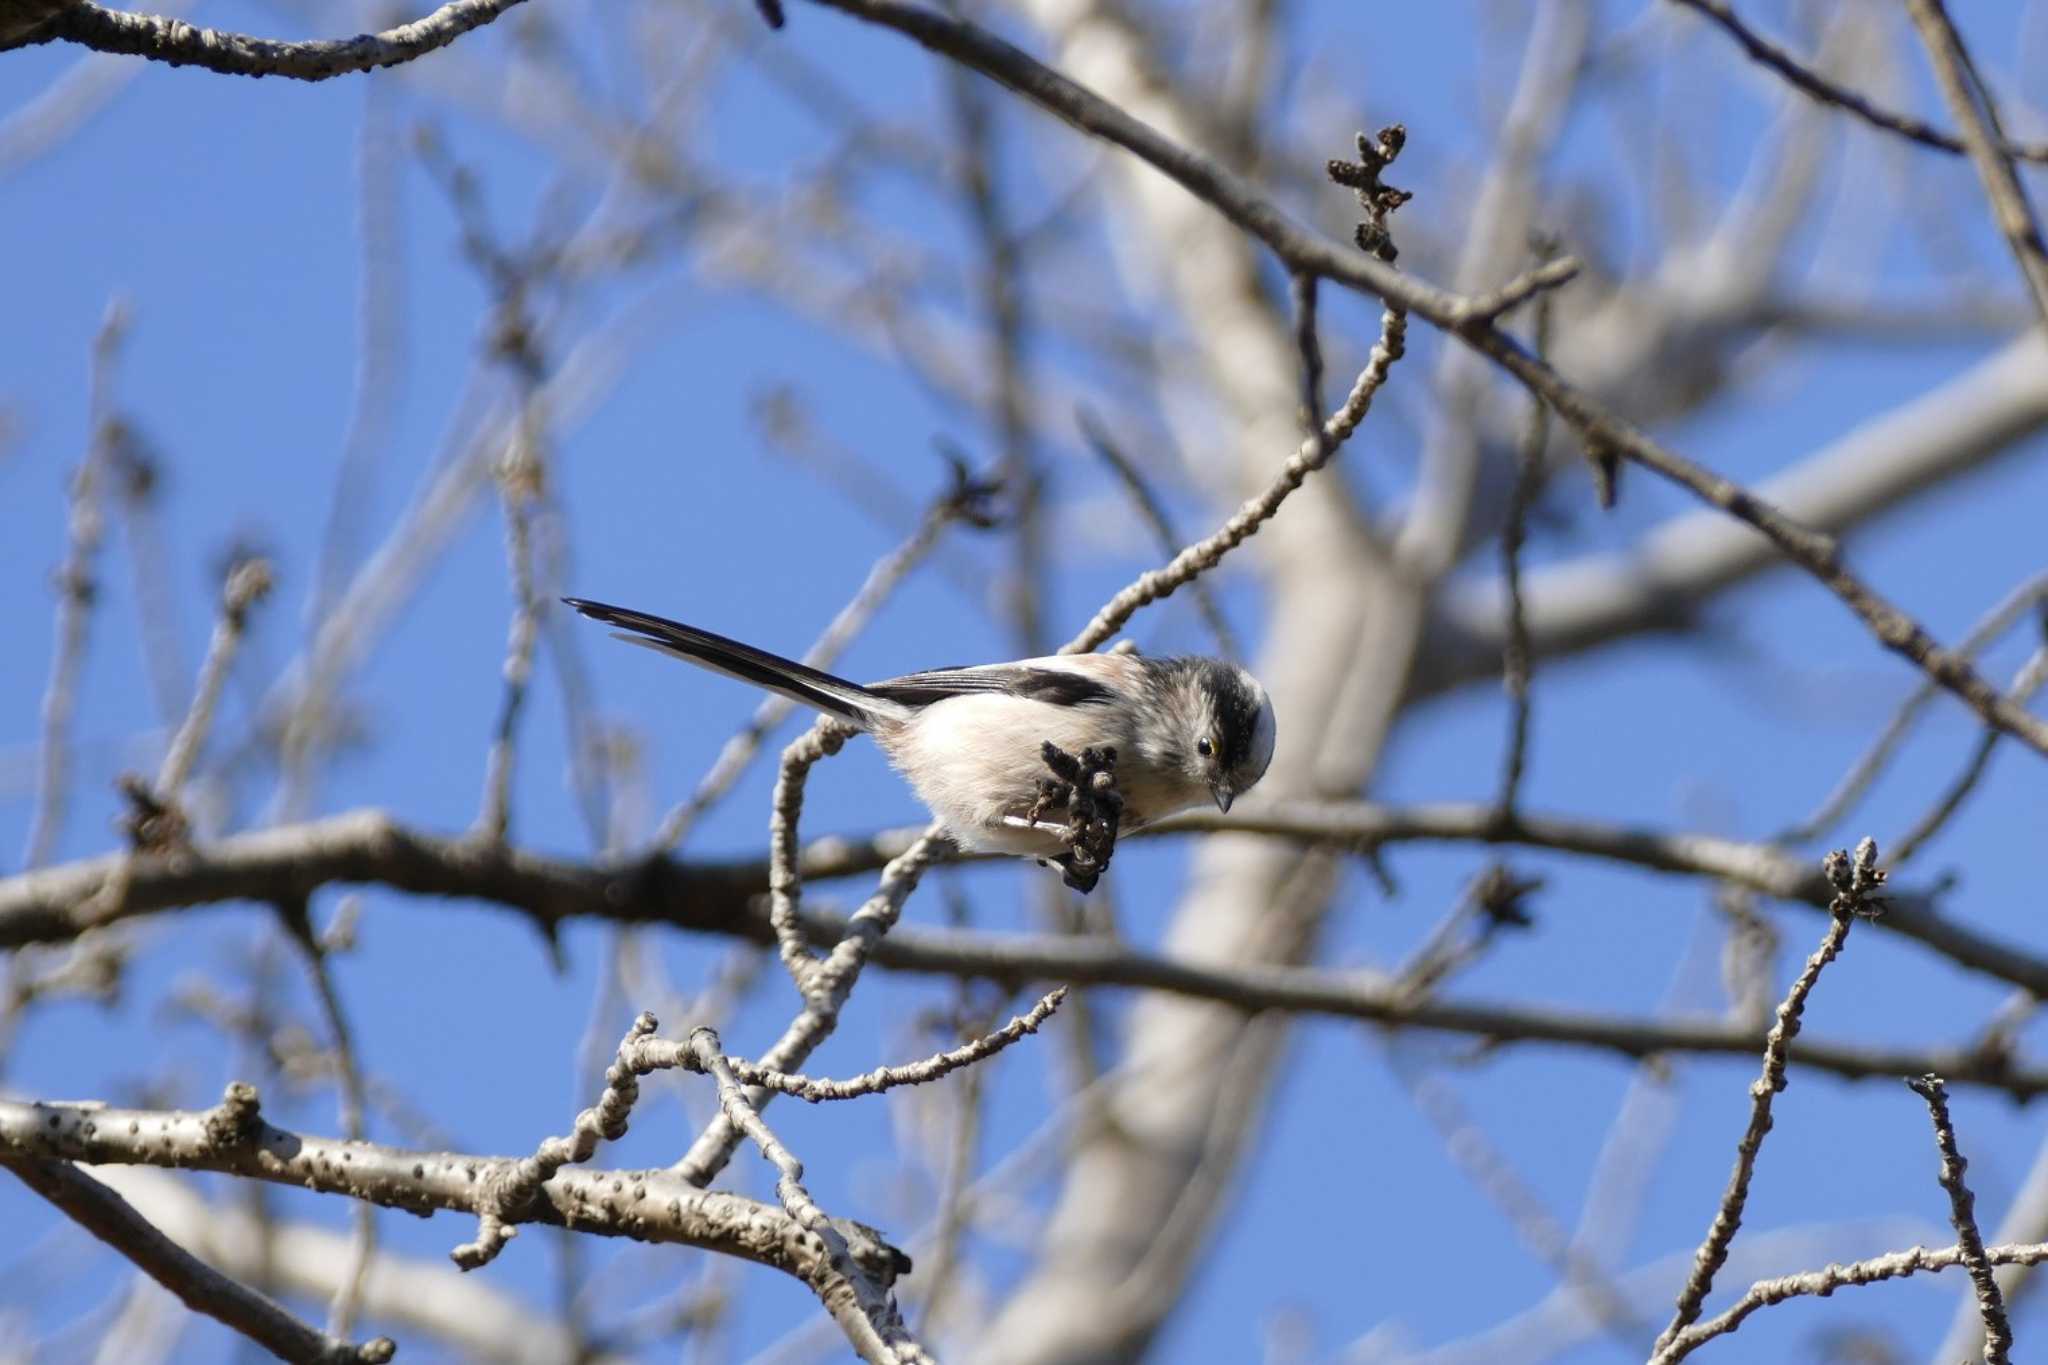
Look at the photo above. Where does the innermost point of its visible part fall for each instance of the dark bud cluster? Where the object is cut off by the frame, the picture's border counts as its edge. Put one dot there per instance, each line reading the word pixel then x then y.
pixel 1378 200
pixel 973 499
pixel 1856 878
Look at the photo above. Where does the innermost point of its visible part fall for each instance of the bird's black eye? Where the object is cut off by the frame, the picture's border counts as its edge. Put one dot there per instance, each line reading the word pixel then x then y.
pixel 1204 747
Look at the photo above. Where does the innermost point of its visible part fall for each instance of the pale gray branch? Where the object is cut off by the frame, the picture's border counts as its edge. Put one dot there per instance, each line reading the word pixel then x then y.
pixel 1824 1282
pixel 649 1206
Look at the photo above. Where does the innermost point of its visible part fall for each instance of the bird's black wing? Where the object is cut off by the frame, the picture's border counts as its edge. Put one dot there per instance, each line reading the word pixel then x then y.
pixel 1055 686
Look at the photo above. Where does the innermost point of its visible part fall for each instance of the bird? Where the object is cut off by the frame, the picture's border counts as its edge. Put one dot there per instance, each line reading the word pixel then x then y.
pixel 971 741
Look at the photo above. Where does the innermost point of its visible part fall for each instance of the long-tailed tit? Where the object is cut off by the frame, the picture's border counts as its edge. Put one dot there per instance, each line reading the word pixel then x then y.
pixel 970 740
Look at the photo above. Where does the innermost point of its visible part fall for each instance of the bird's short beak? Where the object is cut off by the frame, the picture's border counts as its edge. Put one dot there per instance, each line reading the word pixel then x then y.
pixel 1224 796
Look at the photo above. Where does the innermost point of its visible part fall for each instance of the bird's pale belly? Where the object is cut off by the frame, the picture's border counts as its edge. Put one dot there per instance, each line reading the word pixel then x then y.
pixel 969 760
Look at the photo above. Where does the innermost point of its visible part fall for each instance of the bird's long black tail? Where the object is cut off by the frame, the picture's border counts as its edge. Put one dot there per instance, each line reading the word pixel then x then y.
pixel 847 701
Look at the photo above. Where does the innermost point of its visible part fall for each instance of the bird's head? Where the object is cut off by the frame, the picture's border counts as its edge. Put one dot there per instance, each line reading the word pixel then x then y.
pixel 1222 727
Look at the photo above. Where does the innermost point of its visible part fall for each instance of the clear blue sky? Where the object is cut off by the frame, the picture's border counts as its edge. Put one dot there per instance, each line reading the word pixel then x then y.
pixel 226 213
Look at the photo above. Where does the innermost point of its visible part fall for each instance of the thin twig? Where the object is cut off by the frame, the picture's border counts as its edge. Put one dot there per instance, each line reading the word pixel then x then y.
pixel 76 589
pixel 815 1090
pixel 112 1219
pixel 1855 880
pixel 788 429
pixel 1168 536
pixel 1818 553
pixel 381 368
pixel 304 704
pixel 966 500
pixel 1534 283
pixel 825 738
pixel 1962 1213
pixel 2025 1221
pixel 1301 250
pixel 137 485
pixel 1854 783
pixel 516 1187
pixel 641 1053
pixel 176 43
pixel 248 582
pixel 1000 286
pixel 953 1213
pixel 354 1107
pixel 519 479
pixel 1309 346
pixel 1470 1149
pixel 1810 82
pixel 1491 901
pixel 2031 677
pixel 1970 101
pixel 830 982
pixel 1824 1282
pixel 871 1322
pixel 1517 660
pixel 521 470
pixel 1313 453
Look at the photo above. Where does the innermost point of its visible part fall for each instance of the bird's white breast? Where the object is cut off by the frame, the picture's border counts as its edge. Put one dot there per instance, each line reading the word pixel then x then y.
pixel 976 758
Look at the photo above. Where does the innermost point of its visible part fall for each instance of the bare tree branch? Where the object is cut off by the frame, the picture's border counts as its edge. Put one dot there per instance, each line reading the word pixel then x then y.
pixel 1856 881
pixel 826 985
pixel 1810 82
pixel 348 1071
pixel 1012 958
pixel 433 1300
pixel 825 738
pixel 1857 781
pixel 962 501
pixel 232 1138
pixel 1962 1212
pixel 1516 656
pixel 2029 1210
pixel 1970 101
pixel 178 43
pixel 248 582
pixel 76 588
pixel 1205 554
pixel 1164 533
pixel 1821 1283
pixel 814 1090
pixel 1305 252
pixel 1664 580
pixel 57 904
pixel 109 1217
pixel 1468 1146
pixel 870 1320
pixel 2032 675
